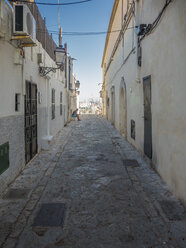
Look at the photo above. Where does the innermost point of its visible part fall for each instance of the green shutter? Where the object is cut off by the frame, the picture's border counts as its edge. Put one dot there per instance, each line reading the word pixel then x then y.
pixel 4 157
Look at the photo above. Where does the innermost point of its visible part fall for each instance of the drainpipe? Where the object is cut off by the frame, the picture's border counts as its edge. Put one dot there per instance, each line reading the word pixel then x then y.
pixel 23 81
pixel 136 23
pixel 122 21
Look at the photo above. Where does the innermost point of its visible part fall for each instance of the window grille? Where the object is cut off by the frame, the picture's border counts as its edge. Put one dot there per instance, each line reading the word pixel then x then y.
pixel 61 106
pixel 17 102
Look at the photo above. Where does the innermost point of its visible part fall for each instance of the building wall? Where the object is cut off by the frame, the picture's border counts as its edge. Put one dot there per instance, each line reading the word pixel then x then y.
pixel 163 57
pixel 53 80
pixel 11 121
pixel 11 129
pixel 16 67
pixel 72 95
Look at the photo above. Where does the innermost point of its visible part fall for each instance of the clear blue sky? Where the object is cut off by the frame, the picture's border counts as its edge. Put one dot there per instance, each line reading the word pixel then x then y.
pixel 88 50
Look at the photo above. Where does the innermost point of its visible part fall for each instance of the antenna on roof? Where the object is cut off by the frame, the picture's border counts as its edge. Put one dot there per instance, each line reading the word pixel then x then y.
pixel 60 37
pixel 59 28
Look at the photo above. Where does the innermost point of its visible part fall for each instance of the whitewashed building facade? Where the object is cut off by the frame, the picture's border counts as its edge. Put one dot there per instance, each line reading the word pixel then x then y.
pixel 34 102
pixel 144 82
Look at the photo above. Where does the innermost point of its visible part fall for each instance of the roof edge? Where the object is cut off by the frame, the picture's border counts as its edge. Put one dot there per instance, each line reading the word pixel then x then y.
pixel 109 28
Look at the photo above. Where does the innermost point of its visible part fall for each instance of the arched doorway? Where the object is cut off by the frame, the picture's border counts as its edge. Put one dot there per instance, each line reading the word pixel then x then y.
pixel 107 104
pixel 123 109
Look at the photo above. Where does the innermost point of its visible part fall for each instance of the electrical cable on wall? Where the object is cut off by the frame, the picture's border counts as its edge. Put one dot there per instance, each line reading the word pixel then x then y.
pixel 151 27
pixel 82 33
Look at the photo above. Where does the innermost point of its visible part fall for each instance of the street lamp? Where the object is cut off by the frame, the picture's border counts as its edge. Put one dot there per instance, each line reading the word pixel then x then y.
pixel 77 84
pixel 60 53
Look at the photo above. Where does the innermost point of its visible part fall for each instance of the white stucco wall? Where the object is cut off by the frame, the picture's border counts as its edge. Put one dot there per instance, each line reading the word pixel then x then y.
pixel 164 58
pixel 15 70
pixel 53 80
pixel 11 121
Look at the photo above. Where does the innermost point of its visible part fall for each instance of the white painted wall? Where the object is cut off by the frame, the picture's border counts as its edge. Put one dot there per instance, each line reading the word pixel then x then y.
pixel 14 71
pixel 10 71
pixel 53 80
pixel 11 121
pixel 164 58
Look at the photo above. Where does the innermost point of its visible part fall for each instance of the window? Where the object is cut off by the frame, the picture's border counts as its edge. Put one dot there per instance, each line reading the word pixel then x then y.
pixel 61 100
pixel 108 101
pixel 133 133
pixel 17 102
pixel 53 104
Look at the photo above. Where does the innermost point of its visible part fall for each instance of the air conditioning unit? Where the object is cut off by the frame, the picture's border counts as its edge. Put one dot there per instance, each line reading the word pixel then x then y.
pixel 24 24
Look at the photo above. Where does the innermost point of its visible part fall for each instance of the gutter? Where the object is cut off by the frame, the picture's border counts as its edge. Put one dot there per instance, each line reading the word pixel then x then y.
pixel 114 9
pixel 123 29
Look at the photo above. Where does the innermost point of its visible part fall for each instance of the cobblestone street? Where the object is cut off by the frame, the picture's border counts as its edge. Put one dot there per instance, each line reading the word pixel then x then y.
pixel 91 190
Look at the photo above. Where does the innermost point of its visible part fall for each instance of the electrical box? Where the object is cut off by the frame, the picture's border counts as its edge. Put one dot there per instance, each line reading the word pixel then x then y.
pixel 18 59
pixel 4 157
pixel 141 29
pixel 39 58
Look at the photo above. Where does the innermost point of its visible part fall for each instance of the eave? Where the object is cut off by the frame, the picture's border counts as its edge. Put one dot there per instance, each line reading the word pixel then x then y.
pixel 114 9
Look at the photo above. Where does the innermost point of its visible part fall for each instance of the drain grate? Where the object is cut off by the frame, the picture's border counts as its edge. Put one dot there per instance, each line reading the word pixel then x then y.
pixel 131 162
pixel 173 210
pixel 116 137
pixel 16 194
pixel 50 214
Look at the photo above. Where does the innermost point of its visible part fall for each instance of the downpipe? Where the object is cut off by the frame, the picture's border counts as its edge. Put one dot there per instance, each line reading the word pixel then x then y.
pixel 136 23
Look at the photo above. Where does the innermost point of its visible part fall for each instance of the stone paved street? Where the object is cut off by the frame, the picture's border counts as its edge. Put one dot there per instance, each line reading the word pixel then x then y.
pixel 101 198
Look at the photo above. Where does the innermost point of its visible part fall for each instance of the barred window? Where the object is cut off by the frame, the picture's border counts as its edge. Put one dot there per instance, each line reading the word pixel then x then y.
pixel 17 102
pixel 61 100
pixel 53 104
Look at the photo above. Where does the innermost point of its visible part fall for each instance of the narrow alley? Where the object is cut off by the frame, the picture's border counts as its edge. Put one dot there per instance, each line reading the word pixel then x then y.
pixel 91 189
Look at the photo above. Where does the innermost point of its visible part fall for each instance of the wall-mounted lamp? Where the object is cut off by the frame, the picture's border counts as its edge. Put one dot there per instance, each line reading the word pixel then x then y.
pixel 77 84
pixel 60 53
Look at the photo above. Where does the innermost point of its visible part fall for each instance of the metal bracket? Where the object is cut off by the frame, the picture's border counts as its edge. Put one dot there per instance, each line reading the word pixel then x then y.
pixel 43 71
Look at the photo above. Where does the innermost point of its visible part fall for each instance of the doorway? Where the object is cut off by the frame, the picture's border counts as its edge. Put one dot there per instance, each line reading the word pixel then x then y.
pixel 30 121
pixel 122 112
pixel 147 117
pixel 123 109
pixel 112 106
